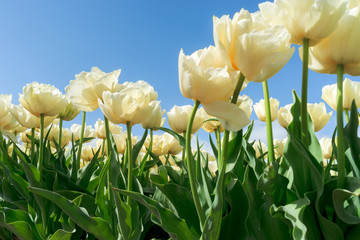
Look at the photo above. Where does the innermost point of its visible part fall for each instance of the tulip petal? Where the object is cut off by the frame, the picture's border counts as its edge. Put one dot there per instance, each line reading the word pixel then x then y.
pixel 231 116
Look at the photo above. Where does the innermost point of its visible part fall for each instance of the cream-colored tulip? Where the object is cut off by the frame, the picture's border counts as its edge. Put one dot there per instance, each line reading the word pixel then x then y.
pixel 311 19
pixel 89 132
pixel 351 91
pixel 8 122
pixel 131 104
pixel 178 118
pixel 245 103
pixel 279 147
pixel 18 129
pixel 340 47
pixel 87 153
pixel 160 145
pixel 212 165
pixel 201 79
pixel 156 118
pixel 260 149
pixel 175 147
pixel 27 119
pixel 211 126
pixel 284 116
pixel 42 99
pixel 24 136
pixel 87 87
pixel 326 147
pixel 101 131
pixel 5 104
pixel 249 44
pixel 318 115
pixel 120 141
pixel 70 112
pixel 53 134
pixel 259 109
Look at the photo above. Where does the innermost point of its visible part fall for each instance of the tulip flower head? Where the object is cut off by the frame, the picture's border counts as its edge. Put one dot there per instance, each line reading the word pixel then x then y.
pixel 318 115
pixel 178 118
pixel 100 129
pixel 284 116
pixel 351 92
pixel 87 87
pixel 28 120
pixel 156 118
pixel 249 44
pixel 42 99
pixel 307 19
pixel 130 103
pixel 326 147
pixel 259 109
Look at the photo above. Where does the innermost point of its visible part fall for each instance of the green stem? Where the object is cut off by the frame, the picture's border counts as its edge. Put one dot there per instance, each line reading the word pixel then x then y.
pixel 129 159
pixel 271 155
pixel 340 128
pixel 60 130
pixel 347 117
pixel 80 144
pixel 183 151
pixel 41 150
pixel 191 166
pixel 32 150
pixel 218 142
pixel 108 142
pixel 304 88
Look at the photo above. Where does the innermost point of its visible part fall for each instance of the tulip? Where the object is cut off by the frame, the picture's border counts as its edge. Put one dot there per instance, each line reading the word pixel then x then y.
pixel 260 149
pixel 42 99
pixel 87 153
pixel 100 129
pixel 27 119
pixel 259 109
pixel 24 136
pixel 212 165
pixel 285 116
pixel 318 115
pixel 201 78
pixel 249 44
pixel 326 147
pixel 156 119
pixel 53 133
pixel 279 147
pixel 131 104
pixel 120 141
pixel 178 118
pixel 175 147
pixel 311 19
pixel 340 47
pixel 70 112
pixel 160 145
pixel 87 87
pixel 5 104
pixel 89 132
pixel 211 126
pixel 351 92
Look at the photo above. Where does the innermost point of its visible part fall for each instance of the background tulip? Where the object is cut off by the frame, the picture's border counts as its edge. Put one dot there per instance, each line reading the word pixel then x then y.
pixel 259 109
pixel 89 132
pixel 178 118
pixel 27 119
pixel 318 114
pixel 351 92
pixel 284 116
pixel 326 147
pixel 101 131
pixel 156 118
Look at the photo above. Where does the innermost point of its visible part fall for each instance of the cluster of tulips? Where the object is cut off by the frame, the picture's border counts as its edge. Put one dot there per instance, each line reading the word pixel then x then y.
pixel 54 186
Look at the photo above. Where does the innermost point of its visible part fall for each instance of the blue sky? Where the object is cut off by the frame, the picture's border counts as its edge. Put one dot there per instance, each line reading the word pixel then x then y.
pixel 51 41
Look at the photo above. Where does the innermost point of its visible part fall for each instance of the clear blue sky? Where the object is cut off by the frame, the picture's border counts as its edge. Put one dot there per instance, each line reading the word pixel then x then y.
pixel 51 41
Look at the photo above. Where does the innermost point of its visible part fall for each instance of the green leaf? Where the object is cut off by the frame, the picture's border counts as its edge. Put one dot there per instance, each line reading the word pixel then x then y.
pixel 100 198
pixel 136 149
pixel 86 172
pixel 19 184
pixel 234 223
pixel 94 225
pixel 175 226
pixel 61 235
pixel 233 153
pixel 180 197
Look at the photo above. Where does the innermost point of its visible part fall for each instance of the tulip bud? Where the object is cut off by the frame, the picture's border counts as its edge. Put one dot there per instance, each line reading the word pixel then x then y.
pixel 259 109
pixel 178 118
pixel 318 115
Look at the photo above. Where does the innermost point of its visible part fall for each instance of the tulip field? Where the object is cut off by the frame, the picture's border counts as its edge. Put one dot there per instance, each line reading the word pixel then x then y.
pixel 103 182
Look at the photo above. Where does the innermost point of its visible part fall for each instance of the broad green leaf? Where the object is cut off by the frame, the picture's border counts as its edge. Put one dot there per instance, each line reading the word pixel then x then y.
pixel 340 196
pixel 94 225
pixel 100 198
pixel 175 226
pixel 61 235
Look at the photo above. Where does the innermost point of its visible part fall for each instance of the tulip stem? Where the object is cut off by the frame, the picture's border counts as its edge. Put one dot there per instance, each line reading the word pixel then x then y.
pixel 129 159
pixel 80 146
pixel 340 128
pixel 60 130
pixel 190 165
pixel 218 141
pixel 347 117
pixel 32 144
pixel 41 150
pixel 107 134
pixel 304 88
pixel 238 87
pixel 269 133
